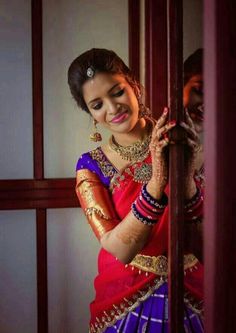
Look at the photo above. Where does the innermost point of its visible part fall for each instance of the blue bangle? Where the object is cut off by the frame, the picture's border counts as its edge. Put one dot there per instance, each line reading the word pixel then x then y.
pixel 197 196
pixel 152 201
pixel 141 218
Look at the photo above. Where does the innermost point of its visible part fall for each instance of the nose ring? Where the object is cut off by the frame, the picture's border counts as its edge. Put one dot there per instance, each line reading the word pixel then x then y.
pixel 118 106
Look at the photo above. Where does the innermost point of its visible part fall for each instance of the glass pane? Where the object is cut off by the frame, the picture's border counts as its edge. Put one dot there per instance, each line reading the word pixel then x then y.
pixel 18 287
pixel 16 157
pixel 72 255
pixel 85 24
pixel 192 26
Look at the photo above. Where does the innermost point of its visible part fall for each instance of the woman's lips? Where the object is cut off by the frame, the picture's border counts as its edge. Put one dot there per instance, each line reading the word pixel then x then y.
pixel 119 118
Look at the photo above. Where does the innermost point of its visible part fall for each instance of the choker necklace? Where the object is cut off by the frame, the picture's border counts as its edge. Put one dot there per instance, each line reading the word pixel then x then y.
pixel 135 152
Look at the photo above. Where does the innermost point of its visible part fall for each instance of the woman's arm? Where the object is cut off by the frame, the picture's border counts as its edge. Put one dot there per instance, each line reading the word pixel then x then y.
pixel 126 239
pixel 123 239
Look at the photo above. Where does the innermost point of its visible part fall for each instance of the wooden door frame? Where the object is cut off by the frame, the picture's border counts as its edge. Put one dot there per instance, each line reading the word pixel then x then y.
pixel 220 165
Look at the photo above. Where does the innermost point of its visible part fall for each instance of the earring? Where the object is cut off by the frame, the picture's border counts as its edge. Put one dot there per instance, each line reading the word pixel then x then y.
pixel 95 136
pixel 144 111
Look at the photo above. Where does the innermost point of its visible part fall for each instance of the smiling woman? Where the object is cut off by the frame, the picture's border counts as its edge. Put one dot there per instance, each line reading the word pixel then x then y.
pixel 122 187
pixel 113 103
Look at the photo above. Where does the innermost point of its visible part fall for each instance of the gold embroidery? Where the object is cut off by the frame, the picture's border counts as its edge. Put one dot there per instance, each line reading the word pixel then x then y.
pixel 143 173
pixel 127 305
pixel 95 200
pixel 106 167
pixel 159 265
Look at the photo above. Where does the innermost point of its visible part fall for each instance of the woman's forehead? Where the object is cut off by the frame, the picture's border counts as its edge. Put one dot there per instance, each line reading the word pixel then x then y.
pixel 101 83
pixel 196 78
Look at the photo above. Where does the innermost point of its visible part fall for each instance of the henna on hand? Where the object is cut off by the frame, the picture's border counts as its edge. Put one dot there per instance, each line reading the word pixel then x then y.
pixel 159 153
pixel 193 144
pixel 132 233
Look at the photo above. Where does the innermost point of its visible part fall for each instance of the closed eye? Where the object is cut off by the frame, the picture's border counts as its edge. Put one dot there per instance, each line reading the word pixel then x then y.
pixel 197 90
pixel 119 93
pixel 97 106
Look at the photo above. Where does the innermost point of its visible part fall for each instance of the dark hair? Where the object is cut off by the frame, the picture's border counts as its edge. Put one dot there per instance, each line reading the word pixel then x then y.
pixel 193 65
pixel 101 61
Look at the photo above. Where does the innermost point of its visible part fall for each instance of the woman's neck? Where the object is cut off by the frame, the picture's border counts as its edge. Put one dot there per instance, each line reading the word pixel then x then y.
pixel 139 132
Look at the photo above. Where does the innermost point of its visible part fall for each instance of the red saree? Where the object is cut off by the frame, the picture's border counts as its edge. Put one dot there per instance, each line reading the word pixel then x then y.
pixel 120 288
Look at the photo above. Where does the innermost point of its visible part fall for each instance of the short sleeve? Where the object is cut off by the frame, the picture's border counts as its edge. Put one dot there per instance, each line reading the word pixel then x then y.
pixel 86 161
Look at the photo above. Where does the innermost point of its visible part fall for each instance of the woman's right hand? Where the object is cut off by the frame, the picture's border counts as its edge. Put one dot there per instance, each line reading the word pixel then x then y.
pixel 158 144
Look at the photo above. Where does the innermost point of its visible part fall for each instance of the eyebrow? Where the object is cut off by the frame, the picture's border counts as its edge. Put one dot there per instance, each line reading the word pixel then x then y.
pixel 113 87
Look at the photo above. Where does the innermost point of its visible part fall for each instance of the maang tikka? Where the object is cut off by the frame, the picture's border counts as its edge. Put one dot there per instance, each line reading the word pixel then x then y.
pixel 90 72
pixel 95 136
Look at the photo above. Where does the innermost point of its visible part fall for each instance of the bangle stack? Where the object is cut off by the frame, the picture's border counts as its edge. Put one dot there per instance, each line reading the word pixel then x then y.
pixel 195 201
pixel 148 209
pixel 194 208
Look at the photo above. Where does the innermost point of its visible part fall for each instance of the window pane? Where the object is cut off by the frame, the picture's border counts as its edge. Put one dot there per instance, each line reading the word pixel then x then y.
pixel 72 256
pixel 70 28
pixel 16 157
pixel 18 287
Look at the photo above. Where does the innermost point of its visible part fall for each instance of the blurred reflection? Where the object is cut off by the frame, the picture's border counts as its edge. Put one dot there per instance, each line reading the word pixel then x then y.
pixel 193 100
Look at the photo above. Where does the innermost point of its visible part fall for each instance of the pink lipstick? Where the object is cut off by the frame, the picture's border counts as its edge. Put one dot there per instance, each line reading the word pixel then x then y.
pixel 119 118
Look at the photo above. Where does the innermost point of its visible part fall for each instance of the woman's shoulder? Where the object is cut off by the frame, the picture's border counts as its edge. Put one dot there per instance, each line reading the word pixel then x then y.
pixel 95 161
pixel 86 159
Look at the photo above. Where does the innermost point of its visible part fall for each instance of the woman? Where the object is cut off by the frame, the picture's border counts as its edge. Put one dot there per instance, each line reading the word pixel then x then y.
pixel 122 187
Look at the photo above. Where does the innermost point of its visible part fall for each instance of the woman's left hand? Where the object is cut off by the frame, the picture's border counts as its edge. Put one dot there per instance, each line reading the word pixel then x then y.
pixel 193 144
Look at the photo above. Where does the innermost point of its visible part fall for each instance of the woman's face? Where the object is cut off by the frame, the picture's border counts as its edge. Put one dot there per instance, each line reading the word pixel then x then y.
pixel 112 102
pixel 193 100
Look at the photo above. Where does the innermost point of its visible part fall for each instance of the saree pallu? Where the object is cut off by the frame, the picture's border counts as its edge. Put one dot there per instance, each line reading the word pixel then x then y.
pixel 122 290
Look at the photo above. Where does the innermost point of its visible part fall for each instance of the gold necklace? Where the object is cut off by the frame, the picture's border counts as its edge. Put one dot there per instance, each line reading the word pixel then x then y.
pixel 138 151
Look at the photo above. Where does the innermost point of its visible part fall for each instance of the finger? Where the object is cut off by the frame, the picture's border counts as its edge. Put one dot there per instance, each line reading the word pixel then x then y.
pixel 195 147
pixel 163 118
pixel 157 147
pixel 191 131
pixel 161 131
pixel 189 120
pixel 164 130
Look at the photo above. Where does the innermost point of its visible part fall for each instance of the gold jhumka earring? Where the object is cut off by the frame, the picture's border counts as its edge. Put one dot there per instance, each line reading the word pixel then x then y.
pixel 95 136
pixel 144 111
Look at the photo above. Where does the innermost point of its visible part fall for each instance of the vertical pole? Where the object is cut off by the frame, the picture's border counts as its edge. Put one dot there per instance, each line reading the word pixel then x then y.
pixel 37 89
pixel 134 36
pixel 156 55
pixel 41 220
pixel 176 171
pixel 220 165
pixel 42 287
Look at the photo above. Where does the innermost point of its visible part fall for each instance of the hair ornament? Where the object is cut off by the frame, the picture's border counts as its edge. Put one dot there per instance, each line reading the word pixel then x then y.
pixel 90 72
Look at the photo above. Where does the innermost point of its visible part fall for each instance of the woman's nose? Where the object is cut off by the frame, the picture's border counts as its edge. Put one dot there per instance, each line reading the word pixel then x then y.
pixel 113 107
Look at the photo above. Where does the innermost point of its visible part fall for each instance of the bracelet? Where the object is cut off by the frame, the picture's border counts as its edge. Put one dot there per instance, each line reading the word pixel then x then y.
pixel 144 219
pixel 148 206
pixel 150 213
pixel 194 220
pixel 148 209
pixel 153 201
pixel 195 200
